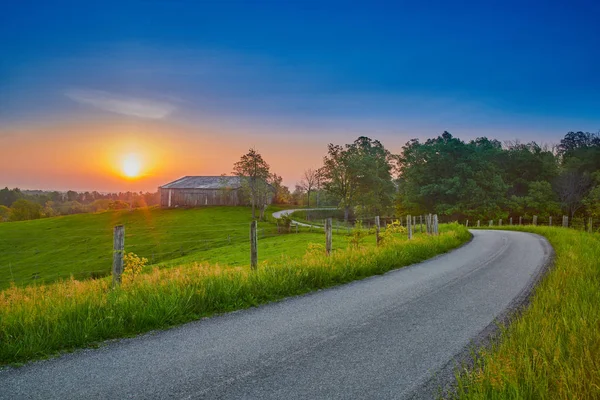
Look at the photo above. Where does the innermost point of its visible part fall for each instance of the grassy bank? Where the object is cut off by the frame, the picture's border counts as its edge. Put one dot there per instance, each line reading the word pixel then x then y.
pixel 552 350
pixel 45 250
pixel 39 321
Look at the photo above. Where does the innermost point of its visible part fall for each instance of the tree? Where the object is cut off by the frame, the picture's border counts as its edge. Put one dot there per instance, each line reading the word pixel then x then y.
pixel 309 182
pixel 72 195
pixel 8 197
pixel 254 173
pixel 23 210
pixel 592 200
pixel 282 193
pixel 540 200
pixel 572 187
pixel 4 213
pixel 340 171
pixel 450 177
pixel 359 174
pixel 298 195
pixel 376 188
pixel 524 164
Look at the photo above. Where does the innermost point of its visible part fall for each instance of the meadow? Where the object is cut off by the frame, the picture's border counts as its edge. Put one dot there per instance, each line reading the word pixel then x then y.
pixel 37 321
pixel 552 349
pixel 46 250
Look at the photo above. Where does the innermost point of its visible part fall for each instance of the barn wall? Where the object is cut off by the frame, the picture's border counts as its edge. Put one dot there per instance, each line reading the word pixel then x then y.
pixel 199 197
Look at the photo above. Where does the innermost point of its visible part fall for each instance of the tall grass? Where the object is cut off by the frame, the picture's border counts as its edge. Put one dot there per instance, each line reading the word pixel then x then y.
pixel 552 350
pixel 39 321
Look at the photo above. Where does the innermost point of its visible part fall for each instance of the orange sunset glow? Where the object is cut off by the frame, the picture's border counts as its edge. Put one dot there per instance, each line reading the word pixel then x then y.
pixel 121 156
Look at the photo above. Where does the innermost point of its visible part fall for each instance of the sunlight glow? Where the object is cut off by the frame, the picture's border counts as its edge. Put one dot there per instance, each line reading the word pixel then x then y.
pixel 131 166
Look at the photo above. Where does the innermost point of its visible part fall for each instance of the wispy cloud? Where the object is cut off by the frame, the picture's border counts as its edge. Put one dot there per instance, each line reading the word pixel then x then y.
pixel 112 102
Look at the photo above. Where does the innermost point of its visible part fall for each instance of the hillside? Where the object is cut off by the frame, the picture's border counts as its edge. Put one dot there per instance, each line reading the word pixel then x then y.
pixel 81 245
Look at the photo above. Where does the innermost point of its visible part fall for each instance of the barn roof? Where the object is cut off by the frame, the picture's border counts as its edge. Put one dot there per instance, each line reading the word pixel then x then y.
pixel 205 182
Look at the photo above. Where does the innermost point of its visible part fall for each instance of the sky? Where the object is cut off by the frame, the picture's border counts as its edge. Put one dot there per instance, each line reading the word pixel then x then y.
pixel 187 87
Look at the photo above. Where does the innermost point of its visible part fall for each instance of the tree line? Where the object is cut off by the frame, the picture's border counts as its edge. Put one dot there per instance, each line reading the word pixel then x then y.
pixel 484 178
pixel 20 205
pixel 478 179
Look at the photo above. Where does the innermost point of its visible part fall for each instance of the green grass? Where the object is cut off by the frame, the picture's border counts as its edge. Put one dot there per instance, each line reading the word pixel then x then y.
pixel 39 321
pixel 551 350
pixel 45 250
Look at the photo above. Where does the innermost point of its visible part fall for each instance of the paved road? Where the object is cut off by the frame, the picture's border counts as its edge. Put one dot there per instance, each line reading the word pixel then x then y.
pixel 383 337
pixel 279 214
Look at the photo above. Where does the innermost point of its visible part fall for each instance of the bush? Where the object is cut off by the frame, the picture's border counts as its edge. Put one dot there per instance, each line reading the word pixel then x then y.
pixel 285 222
pixel 133 265
pixel 358 234
pixel 4 213
pixel 392 228
pixel 22 210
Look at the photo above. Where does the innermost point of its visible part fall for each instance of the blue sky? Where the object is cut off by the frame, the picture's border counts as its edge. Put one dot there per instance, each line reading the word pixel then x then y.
pixel 333 70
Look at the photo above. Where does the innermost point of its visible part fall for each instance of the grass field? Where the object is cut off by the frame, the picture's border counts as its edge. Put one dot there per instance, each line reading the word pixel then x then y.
pixel 46 250
pixel 41 320
pixel 552 350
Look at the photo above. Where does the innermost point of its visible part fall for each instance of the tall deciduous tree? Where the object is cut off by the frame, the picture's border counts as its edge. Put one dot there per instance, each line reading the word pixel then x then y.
pixel 359 174
pixel 376 188
pixel 340 172
pixel 309 182
pixel 254 173
pixel 450 177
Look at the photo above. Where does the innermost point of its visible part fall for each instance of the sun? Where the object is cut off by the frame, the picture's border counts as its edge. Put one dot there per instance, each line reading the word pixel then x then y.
pixel 131 166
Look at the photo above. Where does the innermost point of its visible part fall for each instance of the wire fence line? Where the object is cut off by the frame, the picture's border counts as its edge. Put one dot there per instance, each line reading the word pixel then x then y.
pixel 70 252
pixel 590 224
pixel 26 265
pixel 67 253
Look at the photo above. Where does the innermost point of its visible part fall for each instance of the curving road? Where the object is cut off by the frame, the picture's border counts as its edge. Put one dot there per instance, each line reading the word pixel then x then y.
pixel 391 336
pixel 279 214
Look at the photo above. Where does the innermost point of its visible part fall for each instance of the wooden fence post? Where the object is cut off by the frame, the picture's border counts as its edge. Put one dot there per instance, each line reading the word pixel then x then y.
pixel 478 223
pixel 431 226
pixel 535 220
pixel 520 221
pixel 590 229
pixel 421 222
pixel 253 246
pixel 436 226
pixel 510 221
pixel 328 227
pixel 377 226
pixel 409 226
pixel 550 221
pixel 118 250
pixel 467 224
pixel 500 222
pixel 565 221
pixel 491 222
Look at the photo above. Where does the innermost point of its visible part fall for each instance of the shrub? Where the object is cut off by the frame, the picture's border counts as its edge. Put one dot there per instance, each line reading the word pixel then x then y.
pixel 358 234
pixel 285 222
pixel 133 265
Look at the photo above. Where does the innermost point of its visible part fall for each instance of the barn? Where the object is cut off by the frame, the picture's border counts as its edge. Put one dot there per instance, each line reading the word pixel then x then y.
pixel 195 191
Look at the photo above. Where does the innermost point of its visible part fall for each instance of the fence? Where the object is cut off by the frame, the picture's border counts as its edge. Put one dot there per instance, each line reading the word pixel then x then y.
pixel 89 253
pixel 583 224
